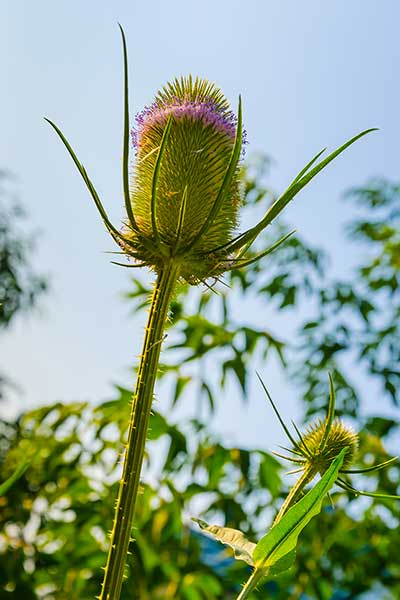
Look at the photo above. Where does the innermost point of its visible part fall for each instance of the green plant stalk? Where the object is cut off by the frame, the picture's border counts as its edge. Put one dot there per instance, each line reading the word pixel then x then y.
pixel 307 475
pixel 260 572
pixel 252 583
pixel 138 427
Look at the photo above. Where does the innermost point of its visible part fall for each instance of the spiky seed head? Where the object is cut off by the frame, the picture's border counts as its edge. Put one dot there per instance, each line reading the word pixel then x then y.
pixel 340 436
pixel 202 130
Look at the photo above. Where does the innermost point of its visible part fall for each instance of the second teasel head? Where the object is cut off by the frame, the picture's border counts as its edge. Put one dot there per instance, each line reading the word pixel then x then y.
pixel 322 441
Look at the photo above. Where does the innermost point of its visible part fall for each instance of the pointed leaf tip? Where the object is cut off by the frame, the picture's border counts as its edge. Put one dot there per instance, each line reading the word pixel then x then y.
pixel 245 263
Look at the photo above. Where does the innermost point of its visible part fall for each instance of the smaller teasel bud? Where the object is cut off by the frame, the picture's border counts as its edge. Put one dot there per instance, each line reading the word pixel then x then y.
pixel 185 191
pixel 322 441
pixel 321 448
pixel 315 450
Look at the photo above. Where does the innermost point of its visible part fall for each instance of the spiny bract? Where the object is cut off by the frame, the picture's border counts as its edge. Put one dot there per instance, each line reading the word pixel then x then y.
pixel 201 138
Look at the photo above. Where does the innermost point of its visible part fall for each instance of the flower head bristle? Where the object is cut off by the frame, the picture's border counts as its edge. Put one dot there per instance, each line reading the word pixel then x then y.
pixel 340 436
pixel 197 100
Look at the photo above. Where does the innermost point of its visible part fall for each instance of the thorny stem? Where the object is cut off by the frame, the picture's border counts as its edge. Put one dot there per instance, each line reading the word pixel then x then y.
pixel 138 426
pixel 252 583
pixel 260 572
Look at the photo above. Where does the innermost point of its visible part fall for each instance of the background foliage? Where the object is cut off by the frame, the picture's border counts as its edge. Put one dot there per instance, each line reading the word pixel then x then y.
pixel 20 286
pixel 55 519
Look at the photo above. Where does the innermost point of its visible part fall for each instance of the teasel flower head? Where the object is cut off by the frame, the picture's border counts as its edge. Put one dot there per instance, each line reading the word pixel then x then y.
pixel 185 189
pixel 182 201
pixel 316 448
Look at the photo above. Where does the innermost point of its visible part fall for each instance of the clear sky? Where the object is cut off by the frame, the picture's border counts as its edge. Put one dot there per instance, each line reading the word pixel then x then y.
pixel 310 73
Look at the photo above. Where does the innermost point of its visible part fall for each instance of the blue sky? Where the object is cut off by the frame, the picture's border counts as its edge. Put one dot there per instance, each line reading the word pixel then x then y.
pixel 310 73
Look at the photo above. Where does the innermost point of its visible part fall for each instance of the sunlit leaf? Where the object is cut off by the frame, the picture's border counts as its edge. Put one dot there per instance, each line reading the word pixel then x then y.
pixel 282 538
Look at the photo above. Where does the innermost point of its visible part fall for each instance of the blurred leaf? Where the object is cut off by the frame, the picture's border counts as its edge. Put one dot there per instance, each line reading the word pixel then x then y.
pixel 19 471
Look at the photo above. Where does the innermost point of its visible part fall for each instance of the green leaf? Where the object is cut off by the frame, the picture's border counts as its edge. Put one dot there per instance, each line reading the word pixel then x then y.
pixel 206 389
pixel 283 564
pixel 308 166
pixel 300 181
pixel 180 384
pixel 234 538
pixel 158 426
pixel 330 414
pixel 282 538
pixel 19 471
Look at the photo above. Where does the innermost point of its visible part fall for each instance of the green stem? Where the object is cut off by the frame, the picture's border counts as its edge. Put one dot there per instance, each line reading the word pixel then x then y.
pixel 307 475
pixel 260 572
pixel 138 426
pixel 252 583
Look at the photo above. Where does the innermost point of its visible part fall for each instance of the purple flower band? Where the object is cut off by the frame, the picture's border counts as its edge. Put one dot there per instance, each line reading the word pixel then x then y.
pixel 205 110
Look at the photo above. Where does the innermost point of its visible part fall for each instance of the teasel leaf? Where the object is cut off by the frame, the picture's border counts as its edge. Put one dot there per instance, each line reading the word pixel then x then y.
pixel 308 166
pixel 283 564
pixel 127 266
pixel 306 450
pixel 118 237
pixel 289 458
pixel 286 430
pixel 181 219
pixel 156 174
pixel 282 538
